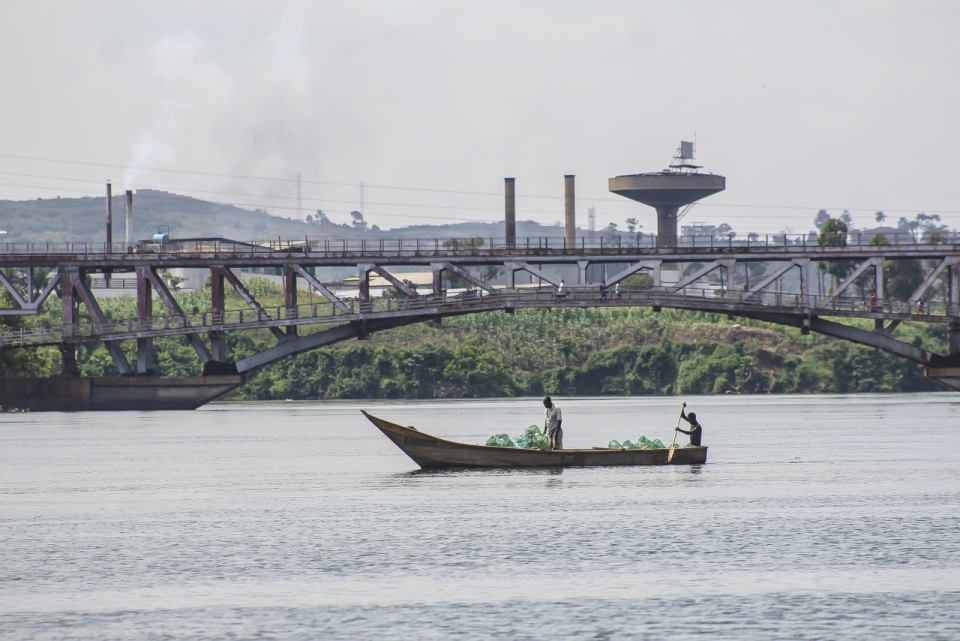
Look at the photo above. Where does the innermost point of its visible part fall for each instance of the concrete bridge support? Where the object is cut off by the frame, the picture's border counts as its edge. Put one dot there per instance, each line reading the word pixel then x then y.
pixel 218 339
pixel 144 316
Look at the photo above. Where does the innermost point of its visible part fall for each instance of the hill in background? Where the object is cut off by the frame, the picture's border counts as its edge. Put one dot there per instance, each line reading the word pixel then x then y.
pixel 84 220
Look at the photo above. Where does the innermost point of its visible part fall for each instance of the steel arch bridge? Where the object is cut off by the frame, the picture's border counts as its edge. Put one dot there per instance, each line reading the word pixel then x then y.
pixel 778 282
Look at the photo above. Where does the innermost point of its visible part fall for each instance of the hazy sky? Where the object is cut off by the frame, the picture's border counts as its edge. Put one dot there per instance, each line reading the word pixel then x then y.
pixel 802 105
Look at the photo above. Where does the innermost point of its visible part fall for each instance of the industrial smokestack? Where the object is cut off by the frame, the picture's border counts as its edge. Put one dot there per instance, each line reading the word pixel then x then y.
pixel 128 228
pixel 570 213
pixel 510 211
pixel 109 217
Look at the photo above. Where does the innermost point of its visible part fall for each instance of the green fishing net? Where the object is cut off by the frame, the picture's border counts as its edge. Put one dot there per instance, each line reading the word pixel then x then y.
pixel 500 440
pixel 643 443
pixel 531 439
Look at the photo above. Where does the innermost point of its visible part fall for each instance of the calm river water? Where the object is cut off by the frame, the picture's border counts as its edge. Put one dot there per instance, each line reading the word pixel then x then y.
pixel 817 517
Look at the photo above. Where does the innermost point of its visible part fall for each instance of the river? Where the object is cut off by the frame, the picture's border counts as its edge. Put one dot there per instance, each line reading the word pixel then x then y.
pixel 816 517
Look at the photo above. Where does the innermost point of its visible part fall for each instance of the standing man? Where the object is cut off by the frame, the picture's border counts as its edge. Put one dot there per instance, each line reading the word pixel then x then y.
pixel 552 421
pixel 695 431
pixel 560 292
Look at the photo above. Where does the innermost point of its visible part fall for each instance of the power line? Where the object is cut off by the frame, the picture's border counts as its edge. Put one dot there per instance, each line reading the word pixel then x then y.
pixel 428 190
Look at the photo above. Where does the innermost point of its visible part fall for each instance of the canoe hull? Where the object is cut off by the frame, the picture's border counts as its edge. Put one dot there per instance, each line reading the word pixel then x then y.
pixel 430 452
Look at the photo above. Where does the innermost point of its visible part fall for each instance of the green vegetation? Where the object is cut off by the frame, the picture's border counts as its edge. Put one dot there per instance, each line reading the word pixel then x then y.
pixel 21 362
pixel 590 352
pixel 561 352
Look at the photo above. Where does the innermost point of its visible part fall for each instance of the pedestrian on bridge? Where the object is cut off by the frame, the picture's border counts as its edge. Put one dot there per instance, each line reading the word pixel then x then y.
pixel 696 431
pixel 552 422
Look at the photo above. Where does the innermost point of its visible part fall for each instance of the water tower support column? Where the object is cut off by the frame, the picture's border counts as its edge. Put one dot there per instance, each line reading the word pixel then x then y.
pixel 667 225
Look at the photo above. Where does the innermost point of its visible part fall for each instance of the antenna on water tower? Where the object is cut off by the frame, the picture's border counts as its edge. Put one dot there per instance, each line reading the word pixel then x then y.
pixel 682 162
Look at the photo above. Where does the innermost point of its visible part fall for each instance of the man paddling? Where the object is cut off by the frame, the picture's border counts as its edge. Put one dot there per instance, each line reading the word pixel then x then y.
pixel 696 431
pixel 552 421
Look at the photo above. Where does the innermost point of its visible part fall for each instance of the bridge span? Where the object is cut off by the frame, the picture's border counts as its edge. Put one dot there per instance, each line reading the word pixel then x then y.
pixel 790 281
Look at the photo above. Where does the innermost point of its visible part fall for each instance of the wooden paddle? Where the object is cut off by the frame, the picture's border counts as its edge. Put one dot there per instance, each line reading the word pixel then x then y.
pixel 675 430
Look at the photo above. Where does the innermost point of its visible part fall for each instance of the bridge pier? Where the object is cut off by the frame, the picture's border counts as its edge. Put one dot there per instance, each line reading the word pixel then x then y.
pixel 290 294
pixel 144 317
pixel 953 338
pixel 438 278
pixel 71 312
pixel 218 340
pixel 115 393
pixel 363 285
pixel 69 360
pixel 953 290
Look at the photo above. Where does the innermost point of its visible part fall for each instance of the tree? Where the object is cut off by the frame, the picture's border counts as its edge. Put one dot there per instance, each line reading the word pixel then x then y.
pixel 833 233
pixel 847 219
pixel 880 217
pixel 901 278
pixel 488 274
pixel 464 243
pixel 821 219
pixel 726 230
pixel 612 228
pixel 358 222
pixel 18 362
pixel 631 224
pixel 908 226
pixel 480 368
pixel 322 218
pixel 930 228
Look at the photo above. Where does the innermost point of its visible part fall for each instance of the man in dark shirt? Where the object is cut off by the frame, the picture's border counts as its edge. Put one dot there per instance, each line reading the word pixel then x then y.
pixel 695 432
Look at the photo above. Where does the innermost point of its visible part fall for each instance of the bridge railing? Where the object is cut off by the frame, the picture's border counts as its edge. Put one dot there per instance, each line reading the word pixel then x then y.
pixel 454 246
pixel 705 298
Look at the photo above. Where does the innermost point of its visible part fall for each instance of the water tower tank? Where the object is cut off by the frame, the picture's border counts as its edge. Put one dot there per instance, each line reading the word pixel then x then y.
pixel 669 190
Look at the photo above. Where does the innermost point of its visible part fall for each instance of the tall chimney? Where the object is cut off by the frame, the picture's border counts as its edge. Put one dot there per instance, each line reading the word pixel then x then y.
pixel 128 228
pixel 510 211
pixel 109 217
pixel 570 213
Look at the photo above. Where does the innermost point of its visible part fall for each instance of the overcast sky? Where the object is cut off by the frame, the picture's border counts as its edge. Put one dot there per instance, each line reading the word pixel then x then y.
pixel 801 105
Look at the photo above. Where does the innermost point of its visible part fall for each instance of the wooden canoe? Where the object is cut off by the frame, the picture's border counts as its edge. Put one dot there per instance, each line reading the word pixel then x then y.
pixel 432 452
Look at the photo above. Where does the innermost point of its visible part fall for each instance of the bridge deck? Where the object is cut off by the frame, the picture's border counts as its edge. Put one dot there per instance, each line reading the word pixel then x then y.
pixel 331 252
